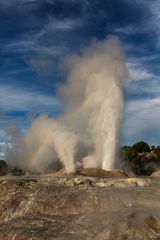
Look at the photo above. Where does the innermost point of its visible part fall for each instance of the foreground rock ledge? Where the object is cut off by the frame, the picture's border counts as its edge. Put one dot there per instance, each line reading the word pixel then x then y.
pixel 79 208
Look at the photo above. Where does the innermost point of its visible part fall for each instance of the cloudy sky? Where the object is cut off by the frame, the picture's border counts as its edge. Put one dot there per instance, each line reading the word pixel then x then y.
pixel 35 35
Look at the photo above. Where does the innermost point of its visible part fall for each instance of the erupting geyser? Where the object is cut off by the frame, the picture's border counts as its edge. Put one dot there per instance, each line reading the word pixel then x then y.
pixel 87 133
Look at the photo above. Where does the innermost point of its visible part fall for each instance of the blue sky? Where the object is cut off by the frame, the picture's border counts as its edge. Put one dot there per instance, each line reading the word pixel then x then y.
pixel 35 35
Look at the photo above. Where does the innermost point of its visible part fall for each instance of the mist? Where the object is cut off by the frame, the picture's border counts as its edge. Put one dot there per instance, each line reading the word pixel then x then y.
pixel 87 133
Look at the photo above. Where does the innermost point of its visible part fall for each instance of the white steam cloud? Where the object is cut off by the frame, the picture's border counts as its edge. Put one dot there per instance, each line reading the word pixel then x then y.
pixel 87 133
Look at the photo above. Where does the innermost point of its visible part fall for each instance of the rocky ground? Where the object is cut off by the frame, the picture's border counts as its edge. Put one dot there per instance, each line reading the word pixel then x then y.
pixel 79 207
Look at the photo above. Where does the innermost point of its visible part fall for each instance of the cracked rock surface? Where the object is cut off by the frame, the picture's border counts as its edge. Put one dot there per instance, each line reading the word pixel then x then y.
pixel 47 207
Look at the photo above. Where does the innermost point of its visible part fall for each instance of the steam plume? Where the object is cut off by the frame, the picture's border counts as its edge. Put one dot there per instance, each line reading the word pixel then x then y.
pixel 91 121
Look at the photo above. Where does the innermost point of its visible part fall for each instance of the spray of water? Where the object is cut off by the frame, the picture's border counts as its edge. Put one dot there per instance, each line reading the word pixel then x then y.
pixel 87 133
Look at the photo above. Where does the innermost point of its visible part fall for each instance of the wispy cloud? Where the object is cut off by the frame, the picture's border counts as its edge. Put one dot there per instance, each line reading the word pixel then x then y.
pixel 142 121
pixel 142 111
pixel 40 42
pixel 154 8
pixel 139 67
pixel 143 80
pixel 10 3
pixel 127 30
pixel 65 24
pixel 152 20
pixel 137 71
pixel 19 99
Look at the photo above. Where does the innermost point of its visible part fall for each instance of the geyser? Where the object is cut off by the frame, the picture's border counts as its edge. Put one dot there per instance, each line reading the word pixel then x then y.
pixel 88 131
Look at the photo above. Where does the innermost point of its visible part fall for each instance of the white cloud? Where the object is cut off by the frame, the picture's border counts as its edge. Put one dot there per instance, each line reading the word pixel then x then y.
pixel 5 4
pixel 37 41
pixel 54 25
pixel 127 30
pixel 153 8
pixel 142 115
pixel 138 69
pixel 142 79
pixel 20 99
pixel 142 121
pixel 62 25
pixel 31 44
pixel 138 72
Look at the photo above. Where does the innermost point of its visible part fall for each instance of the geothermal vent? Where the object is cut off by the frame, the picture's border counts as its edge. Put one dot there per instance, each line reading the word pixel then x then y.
pixel 86 134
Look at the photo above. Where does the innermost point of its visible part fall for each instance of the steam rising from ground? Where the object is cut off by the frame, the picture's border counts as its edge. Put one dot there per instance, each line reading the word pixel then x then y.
pixel 87 133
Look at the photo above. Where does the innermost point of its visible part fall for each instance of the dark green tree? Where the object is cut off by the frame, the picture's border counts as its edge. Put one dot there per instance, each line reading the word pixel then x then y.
pixel 141 147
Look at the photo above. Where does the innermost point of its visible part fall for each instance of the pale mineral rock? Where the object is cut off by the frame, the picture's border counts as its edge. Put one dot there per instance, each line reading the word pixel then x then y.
pixel 79 208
